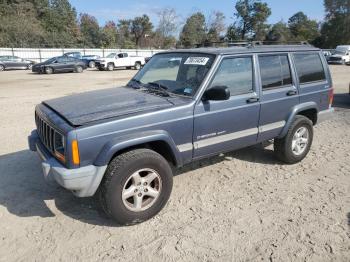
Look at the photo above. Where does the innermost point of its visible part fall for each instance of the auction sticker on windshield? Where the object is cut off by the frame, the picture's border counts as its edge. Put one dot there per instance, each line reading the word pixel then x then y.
pixel 197 61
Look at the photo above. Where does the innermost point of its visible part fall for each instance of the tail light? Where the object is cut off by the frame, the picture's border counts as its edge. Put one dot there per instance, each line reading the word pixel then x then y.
pixel 330 97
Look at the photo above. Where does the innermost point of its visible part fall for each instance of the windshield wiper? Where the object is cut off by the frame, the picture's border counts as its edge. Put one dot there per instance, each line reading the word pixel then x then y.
pixel 159 88
pixel 138 82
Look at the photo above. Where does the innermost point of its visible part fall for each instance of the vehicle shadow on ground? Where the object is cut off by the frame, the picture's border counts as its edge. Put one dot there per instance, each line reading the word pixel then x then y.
pixel 25 193
pixel 342 101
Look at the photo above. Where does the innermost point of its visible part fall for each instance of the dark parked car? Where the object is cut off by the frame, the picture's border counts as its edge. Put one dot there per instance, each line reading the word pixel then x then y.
pixel 90 60
pixel 182 106
pixel 15 62
pixel 61 64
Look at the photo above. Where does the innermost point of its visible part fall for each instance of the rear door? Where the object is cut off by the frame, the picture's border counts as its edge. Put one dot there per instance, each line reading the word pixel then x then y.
pixel 279 93
pixel 312 69
pixel 71 63
pixel 11 62
pixel 17 62
pixel 227 125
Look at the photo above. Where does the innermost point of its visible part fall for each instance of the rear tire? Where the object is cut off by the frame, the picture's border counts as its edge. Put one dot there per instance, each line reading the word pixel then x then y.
pixel 295 145
pixel 2 68
pixel 29 67
pixel 79 69
pixel 48 70
pixel 130 179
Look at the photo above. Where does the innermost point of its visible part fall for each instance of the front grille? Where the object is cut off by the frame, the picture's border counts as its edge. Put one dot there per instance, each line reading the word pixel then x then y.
pixel 46 133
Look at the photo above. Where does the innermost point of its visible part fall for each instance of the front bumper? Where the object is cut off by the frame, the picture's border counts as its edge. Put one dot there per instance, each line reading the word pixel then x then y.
pixel 100 65
pixel 336 62
pixel 325 115
pixel 83 181
pixel 37 69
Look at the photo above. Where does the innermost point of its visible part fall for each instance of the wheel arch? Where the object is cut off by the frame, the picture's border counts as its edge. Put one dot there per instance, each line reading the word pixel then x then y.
pixel 158 141
pixel 309 110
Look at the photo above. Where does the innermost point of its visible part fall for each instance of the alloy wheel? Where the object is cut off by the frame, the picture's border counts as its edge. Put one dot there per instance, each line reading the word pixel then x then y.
pixel 300 141
pixel 141 190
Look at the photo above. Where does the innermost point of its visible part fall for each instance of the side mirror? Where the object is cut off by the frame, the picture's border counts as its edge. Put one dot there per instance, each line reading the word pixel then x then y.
pixel 217 93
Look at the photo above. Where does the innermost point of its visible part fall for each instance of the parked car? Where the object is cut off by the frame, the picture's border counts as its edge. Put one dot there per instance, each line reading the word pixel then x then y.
pixel 121 143
pixel 117 60
pixel 77 55
pixel 147 59
pixel 61 64
pixel 327 53
pixel 341 55
pixel 14 62
pixel 90 60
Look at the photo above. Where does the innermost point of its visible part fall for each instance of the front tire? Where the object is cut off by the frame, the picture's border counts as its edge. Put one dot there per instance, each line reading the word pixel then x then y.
pixel 92 64
pixel 297 142
pixel 29 67
pixel 136 186
pixel 48 70
pixel 110 67
pixel 2 68
pixel 137 66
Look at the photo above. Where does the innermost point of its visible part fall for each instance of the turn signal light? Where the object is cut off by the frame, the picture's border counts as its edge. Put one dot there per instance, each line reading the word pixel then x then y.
pixel 75 153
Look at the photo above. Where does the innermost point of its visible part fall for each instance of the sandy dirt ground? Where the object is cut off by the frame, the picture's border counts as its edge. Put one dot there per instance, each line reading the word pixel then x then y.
pixel 241 206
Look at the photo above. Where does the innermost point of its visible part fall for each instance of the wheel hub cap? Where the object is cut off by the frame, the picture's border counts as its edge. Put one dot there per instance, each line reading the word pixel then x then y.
pixel 300 141
pixel 141 190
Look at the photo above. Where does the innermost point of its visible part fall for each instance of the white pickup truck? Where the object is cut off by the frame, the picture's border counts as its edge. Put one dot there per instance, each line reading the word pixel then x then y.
pixel 341 55
pixel 116 60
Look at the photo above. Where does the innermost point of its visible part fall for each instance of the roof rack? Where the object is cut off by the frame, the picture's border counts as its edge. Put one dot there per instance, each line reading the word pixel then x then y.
pixel 249 43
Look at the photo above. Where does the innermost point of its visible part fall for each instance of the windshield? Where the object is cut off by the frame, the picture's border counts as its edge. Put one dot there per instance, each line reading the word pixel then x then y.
pixel 340 51
pixel 51 60
pixel 176 73
pixel 112 55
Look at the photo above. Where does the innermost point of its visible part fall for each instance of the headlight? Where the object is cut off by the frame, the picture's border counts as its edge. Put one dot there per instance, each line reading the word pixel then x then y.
pixel 59 146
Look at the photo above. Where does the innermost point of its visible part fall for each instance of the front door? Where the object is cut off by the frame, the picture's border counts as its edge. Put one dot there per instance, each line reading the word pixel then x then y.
pixel 226 125
pixel 279 94
pixel 122 60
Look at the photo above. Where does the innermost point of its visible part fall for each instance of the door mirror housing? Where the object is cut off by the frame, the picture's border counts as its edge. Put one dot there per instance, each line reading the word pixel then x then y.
pixel 217 93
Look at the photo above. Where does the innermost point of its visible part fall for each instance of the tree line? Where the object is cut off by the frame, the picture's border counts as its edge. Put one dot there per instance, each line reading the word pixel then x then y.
pixel 55 23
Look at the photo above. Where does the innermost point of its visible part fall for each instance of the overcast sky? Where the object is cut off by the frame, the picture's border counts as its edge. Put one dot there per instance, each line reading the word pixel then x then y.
pixel 114 10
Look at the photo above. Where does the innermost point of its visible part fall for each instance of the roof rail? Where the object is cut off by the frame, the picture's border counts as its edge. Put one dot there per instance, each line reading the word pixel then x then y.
pixel 249 43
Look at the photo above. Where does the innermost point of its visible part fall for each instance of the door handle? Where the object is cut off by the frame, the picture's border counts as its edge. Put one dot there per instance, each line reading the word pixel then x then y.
pixel 291 93
pixel 252 100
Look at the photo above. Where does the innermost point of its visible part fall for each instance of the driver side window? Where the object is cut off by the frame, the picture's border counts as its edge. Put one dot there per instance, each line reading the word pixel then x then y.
pixel 235 73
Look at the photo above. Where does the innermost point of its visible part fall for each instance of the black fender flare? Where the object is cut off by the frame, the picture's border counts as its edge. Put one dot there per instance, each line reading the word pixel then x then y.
pixel 120 143
pixel 295 110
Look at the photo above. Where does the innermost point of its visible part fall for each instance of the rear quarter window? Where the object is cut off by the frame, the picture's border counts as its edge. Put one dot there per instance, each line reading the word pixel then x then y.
pixel 309 67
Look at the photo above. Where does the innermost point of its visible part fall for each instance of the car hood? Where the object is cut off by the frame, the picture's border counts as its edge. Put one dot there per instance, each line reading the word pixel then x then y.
pixel 105 58
pixel 40 64
pixel 338 55
pixel 80 109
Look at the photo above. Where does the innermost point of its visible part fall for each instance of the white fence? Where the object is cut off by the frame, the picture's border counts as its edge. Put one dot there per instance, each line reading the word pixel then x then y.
pixel 42 54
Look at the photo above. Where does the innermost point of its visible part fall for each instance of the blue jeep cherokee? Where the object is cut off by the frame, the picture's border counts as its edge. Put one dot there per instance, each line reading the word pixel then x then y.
pixel 122 143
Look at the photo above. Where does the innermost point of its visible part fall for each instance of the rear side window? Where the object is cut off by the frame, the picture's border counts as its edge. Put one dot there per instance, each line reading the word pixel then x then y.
pixel 236 74
pixel 309 68
pixel 274 71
